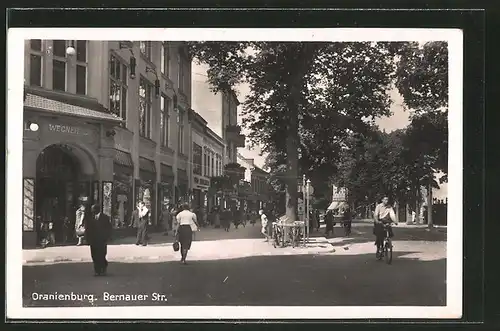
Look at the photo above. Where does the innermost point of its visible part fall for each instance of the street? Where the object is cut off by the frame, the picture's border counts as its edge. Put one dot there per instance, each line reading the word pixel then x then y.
pixel 239 268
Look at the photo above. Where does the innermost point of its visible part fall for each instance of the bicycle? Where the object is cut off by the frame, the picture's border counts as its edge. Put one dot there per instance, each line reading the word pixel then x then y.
pixel 386 246
pixel 297 235
pixel 277 235
pixel 347 228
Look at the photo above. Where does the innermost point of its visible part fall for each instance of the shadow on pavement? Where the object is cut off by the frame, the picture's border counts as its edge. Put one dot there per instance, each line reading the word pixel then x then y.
pixel 321 280
pixel 360 234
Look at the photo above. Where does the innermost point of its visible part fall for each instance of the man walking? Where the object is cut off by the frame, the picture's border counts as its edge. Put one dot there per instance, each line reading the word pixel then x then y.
pixel 98 232
pixel 143 222
pixel 264 222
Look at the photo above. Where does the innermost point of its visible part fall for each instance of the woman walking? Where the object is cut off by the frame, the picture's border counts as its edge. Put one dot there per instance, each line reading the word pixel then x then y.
pixel 81 218
pixel 186 220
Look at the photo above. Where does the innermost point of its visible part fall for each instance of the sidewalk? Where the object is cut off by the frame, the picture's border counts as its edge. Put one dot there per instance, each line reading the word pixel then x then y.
pixel 400 224
pixel 208 244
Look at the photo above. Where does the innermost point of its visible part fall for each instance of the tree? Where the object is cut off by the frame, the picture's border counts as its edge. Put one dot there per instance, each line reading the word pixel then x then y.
pixel 422 76
pixel 374 165
pixel 305 98
pixel 422 80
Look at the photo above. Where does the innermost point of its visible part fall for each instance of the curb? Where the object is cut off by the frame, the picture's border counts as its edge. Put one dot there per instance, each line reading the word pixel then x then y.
pixel 61 259
pixel 142 258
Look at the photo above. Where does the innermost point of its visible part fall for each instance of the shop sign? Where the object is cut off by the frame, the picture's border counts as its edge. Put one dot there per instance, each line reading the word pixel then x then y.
pixel 201 182
pixel 69 129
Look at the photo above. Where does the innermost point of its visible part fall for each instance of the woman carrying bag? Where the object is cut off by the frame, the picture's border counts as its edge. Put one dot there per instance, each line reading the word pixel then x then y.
pixel 187 223
pixel 81 219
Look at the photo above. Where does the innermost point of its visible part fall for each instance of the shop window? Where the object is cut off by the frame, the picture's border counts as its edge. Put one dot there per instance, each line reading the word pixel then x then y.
pixel 28 204
pixel 180 132
pixel 146 49
pixel 197 159
pixel 59 48
pixel 145 105
pixel 212 169
pixel 81 79
pixel 107 197
pixel 180 71
pixel 59 75
pixel 205 159
pixel 35 70
pixel 165 59
pixel 118 87
pixel 123 200
pixel 165 120
pixel 81 67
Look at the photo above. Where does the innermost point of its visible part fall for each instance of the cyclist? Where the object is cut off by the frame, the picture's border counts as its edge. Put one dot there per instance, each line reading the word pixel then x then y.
pixel 384 215
pixel 347 220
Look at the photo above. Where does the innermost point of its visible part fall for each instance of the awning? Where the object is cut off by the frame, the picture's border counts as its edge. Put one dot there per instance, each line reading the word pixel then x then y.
pixel 166 170
pixel 147 165
pixel 123 158
pixel 336 205
pixel 53 106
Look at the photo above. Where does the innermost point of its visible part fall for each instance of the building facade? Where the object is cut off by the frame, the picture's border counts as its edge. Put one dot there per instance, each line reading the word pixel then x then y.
pixel 106 120
pixel 220 111
pixel 257 179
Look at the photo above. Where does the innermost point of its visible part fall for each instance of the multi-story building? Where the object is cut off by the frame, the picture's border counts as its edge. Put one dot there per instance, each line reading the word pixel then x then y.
pixel 257 178
pixel 220 110
pixel 104 120
pixel 207 153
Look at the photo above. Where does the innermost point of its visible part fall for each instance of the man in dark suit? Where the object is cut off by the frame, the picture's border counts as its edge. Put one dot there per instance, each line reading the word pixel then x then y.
pixel 98 232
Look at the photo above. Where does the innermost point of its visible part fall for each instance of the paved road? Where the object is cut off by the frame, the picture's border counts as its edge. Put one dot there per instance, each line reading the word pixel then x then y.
pixel 248 271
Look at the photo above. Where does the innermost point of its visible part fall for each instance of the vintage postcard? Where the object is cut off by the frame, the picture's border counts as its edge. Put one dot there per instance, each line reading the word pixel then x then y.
pixel 234 173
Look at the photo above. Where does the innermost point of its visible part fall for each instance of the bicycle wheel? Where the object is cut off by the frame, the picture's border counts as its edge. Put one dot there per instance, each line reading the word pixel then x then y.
pixel 388 251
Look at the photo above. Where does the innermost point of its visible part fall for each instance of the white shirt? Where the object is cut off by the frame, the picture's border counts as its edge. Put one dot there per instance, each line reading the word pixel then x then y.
pixel 186 217
pixel 263 219
pixel 143 211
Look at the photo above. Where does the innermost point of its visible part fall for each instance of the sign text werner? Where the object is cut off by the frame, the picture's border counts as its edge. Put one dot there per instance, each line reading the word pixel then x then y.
pixel 68 129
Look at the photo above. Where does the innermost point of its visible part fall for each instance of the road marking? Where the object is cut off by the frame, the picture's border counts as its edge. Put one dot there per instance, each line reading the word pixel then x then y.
pixel 50 260
pixel 154 257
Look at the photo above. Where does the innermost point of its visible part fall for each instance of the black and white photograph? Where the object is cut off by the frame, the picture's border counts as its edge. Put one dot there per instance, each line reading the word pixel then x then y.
pixel 234 173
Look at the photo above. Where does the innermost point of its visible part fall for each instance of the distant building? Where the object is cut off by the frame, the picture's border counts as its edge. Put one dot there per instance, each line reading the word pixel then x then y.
pixel 207 152
pixel 257 178
pixel 220 112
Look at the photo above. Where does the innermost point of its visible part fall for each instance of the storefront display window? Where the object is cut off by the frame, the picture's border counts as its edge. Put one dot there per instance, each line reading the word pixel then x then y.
pixel 146 193
pixel 95 190
pixel 122 202
pixel 107 197
pixel 28 204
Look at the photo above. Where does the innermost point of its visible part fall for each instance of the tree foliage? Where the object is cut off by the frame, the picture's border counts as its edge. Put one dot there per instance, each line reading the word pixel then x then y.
pixel 422 76
pixel 426 143
pixel 312 107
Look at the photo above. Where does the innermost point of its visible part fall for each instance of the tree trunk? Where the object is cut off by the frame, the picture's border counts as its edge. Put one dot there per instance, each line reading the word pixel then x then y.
pixel 429 207
pixel 408 214
pixel 418 218
pixel 292 162
pixel 305 55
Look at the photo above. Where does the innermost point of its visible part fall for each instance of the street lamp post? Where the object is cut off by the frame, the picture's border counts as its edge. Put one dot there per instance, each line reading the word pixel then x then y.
pixel 308 187
pixel 304 202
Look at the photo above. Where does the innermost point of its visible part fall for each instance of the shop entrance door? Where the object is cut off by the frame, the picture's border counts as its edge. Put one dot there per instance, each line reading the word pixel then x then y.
pixel 58 186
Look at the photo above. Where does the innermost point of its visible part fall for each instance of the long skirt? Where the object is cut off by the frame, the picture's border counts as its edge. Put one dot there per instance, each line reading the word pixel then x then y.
pixel 185 236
